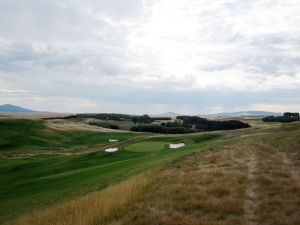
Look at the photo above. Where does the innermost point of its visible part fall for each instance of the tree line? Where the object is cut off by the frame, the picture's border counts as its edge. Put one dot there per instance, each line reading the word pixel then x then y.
pixel 161 129
pixel 105 125
pixel 146 119
pixel 190 124
pixel 103 116
pixel 285 118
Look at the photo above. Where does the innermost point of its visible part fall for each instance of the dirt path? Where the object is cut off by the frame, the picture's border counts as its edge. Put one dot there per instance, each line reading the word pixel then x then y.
pixel 250 205
pixel 294 171
pixel 278 193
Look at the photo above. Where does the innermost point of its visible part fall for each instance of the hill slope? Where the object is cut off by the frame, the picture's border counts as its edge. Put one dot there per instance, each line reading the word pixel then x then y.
pixel 168 114
pixel 13 108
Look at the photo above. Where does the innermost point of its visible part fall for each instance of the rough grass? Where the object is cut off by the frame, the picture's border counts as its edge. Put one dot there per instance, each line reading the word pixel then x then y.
pixel 205 188
pixel 94 208
pixel 253 181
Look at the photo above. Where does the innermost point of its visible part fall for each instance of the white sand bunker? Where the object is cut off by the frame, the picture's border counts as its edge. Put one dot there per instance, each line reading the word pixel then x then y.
pixel 178 145
pixel 113 140
pixel 111 149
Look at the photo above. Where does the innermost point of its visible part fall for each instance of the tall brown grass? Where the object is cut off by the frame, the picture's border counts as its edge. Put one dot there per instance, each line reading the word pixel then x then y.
pixel 91 209
pixel 247 182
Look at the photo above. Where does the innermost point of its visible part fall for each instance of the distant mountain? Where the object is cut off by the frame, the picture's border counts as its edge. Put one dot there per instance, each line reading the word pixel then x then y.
pixel 248 113
pixel 13 108
pixel 169 114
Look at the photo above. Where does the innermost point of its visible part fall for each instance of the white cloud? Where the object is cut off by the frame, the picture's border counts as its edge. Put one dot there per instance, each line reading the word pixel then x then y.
pixel 276 107
pixel 122 55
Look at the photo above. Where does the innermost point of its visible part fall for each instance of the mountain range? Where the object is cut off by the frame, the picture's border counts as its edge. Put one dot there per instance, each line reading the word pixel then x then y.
pixel 13 108
pixel 247 113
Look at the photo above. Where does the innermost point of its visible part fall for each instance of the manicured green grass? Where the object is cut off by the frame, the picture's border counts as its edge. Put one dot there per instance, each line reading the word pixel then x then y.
pixel 146 146
pixel 38 181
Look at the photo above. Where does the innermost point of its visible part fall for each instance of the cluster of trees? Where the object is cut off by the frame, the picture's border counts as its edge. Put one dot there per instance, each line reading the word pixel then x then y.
pixel 176 123
pixel 287 117
pixel 105 125
pixel 191 120
pixel 211 125
pixel 142 119
pixel 160 118
pixel 161 129
pixel 292 115
pixel 103 116
pixel 202 124
pixel 190 124
pixel 146 119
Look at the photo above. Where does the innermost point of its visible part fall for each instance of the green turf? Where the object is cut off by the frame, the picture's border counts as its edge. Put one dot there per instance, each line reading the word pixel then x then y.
pixel 37 181
pixel 146 146
pixel 32 134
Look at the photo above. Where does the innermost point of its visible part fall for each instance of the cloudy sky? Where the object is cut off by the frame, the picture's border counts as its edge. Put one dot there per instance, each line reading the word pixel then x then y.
pixel 150 56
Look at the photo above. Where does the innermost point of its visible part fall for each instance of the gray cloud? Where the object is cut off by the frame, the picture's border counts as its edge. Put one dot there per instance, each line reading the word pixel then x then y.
pixel 150 55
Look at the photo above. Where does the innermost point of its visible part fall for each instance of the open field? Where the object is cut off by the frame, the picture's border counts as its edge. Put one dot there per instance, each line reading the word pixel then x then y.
pixel 225 177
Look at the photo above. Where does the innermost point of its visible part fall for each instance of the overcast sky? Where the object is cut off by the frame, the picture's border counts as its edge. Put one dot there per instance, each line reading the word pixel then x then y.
pixel 150 56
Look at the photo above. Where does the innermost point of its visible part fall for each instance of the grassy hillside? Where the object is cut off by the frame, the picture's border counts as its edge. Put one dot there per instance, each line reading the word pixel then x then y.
pixel 33 134
pixel 35 181
pixel 252 181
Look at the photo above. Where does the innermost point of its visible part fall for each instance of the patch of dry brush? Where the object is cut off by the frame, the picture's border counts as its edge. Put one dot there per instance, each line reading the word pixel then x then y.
pixel 206 188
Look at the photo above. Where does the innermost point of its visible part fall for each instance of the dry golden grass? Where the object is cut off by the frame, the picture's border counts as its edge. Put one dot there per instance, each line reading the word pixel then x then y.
pixel 95 208
pixel 205 188
pixel 279 193
pixel 64 124
pixel 255 181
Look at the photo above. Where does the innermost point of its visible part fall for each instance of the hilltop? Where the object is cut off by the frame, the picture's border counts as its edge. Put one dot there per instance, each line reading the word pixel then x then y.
pixel 14 108
pixel 169 114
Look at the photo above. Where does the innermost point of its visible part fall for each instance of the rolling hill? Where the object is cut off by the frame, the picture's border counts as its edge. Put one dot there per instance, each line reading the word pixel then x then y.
pixel 14 108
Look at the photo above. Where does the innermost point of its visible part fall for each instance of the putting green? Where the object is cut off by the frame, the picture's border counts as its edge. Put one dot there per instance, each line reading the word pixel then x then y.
pixel 146 146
